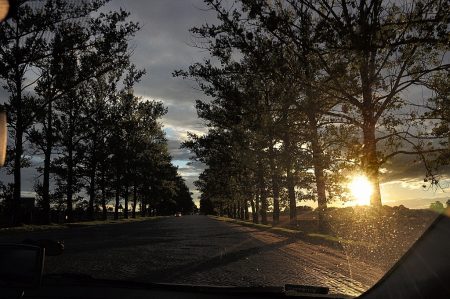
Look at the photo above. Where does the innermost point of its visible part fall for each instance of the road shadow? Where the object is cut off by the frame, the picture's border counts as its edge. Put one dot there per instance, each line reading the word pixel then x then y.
pixel 299 235
pixel 171 274
pixel 234 233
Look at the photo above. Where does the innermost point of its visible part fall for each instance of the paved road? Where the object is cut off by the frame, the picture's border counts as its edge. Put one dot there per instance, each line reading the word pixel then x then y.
pixel 201 250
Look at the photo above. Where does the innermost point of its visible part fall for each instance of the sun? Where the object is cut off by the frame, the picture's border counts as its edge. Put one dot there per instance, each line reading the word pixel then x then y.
pixel 361 189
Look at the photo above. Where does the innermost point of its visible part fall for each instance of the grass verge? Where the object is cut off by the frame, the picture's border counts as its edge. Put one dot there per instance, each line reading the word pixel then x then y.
pixel 55 226
pixel 315 238
pixel 111 221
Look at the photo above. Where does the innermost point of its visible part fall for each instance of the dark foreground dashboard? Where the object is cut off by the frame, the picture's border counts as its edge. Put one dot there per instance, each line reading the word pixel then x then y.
pixel 423 272
pixel 121 290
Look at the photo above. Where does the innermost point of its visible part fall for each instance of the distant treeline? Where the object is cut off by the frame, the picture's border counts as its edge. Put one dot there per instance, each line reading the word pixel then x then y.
pixel 306 94
pixel 66 68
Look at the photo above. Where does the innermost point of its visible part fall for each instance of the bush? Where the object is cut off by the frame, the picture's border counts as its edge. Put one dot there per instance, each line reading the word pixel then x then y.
pixel 437 206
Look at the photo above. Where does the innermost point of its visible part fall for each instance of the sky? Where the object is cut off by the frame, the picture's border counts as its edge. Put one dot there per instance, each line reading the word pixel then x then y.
pixel 163 45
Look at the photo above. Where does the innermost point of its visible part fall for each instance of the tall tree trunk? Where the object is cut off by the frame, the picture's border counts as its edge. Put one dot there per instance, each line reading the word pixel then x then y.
pixel 69 186
pixel 262 193
pixel 242 207
pixel 92 178
pixel 257 209
pixel 18 146
pixel 125 210
pixel 70 165
pixel 370 162
pixel 90 211
pixel 291 195
pixel 275 188
pixel 318 161
pixel 254 211
pixel 290 184
pixel 133 212
pixel 246 215
pixel 312 112
pixel 143 205
pixel 47 161
pixel 263 199
pixel 18 150
pixel 104 209
pixel 141 208
pixel 116 206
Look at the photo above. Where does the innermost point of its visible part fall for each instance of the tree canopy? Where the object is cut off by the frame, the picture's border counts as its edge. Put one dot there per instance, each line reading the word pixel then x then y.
pixel 308 93
pixel 67 68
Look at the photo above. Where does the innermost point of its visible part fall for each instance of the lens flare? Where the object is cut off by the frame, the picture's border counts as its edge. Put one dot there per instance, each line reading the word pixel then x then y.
pixel 4 8
pixel 361 189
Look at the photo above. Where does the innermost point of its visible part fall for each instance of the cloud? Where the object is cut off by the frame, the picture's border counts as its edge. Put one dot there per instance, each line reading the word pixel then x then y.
pixel 176 152
pixel 164 44
pixel 408 168
pixel 28 178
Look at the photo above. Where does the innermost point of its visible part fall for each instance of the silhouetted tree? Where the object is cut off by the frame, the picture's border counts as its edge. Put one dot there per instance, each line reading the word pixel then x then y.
pixel 437 206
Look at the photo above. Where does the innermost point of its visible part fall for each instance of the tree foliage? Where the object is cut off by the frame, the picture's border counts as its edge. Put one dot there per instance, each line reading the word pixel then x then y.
pixel 306 93
pixel 67 68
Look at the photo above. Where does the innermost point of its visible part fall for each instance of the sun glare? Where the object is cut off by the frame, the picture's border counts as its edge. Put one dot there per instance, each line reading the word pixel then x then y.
pixel 361 190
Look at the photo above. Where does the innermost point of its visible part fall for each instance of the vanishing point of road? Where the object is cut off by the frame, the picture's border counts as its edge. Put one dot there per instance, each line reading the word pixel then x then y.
pixel 203 251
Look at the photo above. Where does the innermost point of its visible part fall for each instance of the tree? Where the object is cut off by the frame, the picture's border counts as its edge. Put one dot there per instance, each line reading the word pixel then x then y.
pixel 96 108
pixel 27 44
pixel 22 40
pixel 84 42
pixel 356 60
pixel 437 206
pixel 371 52
pixel 206 205
pixel 270 86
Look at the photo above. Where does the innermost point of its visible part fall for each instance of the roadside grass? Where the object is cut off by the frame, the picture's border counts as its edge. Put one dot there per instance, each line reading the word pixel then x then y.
pixel 32 228
pixel 316 238
pixel 259 225
pixel 56 226
pixel 112 221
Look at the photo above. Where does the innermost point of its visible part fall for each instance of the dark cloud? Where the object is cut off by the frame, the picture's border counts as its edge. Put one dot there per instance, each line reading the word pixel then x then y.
pixel 198 166
pixel 164 44
pixel 29 176
pixel 4 95
pixel 176 152
pixel 190 179
pixel 192 168
pixel 404 167
pixel 408 167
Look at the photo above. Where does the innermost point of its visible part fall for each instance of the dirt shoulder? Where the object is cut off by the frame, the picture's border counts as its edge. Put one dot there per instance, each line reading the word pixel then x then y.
pixel 319 256
pixel 55 226
pixel 379 238
pixel 314 238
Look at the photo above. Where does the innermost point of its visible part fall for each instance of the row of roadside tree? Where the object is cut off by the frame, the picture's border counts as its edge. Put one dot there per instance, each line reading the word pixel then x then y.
pixel 308 93
pixel 72 111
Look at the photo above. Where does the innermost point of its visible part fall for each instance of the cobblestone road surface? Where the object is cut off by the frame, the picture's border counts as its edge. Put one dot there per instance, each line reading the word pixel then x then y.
pixel 202 250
